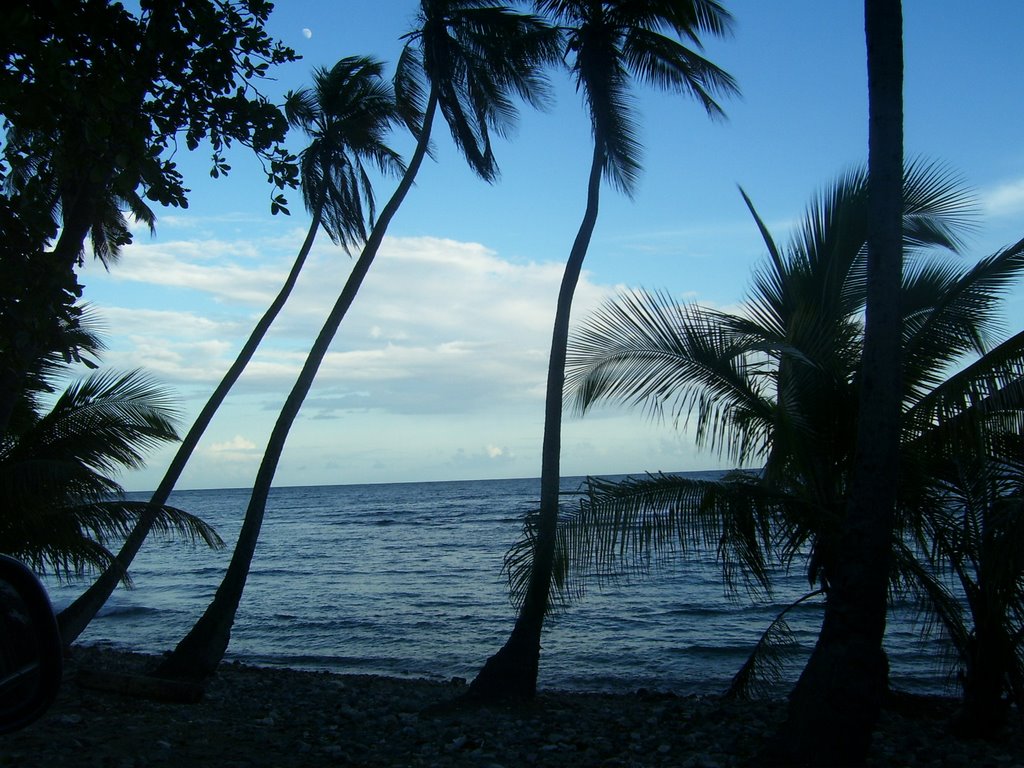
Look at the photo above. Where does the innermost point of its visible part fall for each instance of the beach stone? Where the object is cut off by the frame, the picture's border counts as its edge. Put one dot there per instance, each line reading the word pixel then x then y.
pixel 408 723
pixel 459 742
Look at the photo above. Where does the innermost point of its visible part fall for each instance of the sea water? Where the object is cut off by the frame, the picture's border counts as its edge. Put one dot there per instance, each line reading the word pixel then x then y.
pixel 406 579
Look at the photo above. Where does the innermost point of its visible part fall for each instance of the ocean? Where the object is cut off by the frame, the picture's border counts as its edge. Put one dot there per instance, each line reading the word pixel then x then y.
pixel 406 580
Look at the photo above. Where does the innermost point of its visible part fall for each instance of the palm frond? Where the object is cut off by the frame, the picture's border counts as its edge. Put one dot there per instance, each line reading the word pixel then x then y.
pixel 671 66
pixel 939 209
pixel 765 665
pixel 346 114
pixel 628 527
pixel 62 508
pixel 566 586
pixel 607 45
pixel 951 412
pixel 956 317
pixel 105 421
pixel 69 541
pixel 647 350
pixel 638 520
pixel 475 56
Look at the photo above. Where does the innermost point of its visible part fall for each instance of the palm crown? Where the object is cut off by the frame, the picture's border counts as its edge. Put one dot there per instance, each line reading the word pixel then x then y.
pixel 346 114
pixel 610 42
pixel 775 385
pixel 62 505
pixel 470 57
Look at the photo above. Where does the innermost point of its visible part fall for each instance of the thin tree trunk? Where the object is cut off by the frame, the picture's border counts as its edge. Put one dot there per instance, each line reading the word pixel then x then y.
pixel 202 649
pixel 836 702
pixel 511 673
pixel 76 617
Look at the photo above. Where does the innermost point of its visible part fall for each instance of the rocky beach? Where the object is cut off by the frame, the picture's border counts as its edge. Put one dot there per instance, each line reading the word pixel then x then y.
pixel 253 717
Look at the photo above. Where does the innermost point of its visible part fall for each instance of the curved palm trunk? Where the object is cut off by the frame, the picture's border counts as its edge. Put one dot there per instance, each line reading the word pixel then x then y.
pixel 201 650
pixel 511 673
pixel 76 617
pixel 837 700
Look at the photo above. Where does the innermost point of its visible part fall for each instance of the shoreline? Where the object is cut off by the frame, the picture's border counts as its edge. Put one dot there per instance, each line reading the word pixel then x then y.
pixel 256 717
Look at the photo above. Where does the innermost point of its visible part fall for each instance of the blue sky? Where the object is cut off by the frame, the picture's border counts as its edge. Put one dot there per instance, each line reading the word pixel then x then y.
pixel 438 371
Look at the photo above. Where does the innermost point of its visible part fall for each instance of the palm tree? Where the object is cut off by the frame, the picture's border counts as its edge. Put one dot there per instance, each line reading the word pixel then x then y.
pixel 832 716
pixel 345 115
pixel 609 43
pixel 470 57
pixel 778 385
pixel 975 528
pixel 62 506
pixel 40 290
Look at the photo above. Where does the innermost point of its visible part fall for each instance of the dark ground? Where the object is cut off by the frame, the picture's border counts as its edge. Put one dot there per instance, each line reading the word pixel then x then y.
pixel 256 717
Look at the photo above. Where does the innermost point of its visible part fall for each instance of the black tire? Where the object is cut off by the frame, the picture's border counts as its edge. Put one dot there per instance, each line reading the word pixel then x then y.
pixel 31 653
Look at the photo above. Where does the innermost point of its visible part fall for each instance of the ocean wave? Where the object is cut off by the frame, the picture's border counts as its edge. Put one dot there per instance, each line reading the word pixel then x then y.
pixel 127 611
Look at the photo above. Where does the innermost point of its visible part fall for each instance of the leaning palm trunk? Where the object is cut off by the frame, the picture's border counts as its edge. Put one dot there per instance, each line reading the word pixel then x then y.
pixel 201 650
pixel 511 673
pixel 837 700
pixel 76 617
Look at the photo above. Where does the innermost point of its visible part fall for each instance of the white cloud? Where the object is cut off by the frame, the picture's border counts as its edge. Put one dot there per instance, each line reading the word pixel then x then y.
pixel 1004 200
pixel 438 325
pixel 237 443
pixel 236 453
pixel 233 271
pixel 440 363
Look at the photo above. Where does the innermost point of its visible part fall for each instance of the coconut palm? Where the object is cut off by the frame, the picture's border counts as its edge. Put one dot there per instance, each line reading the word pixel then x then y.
pixel 974 529
pixel 62 506
pixel 346 115
pixel 608 44
pixel 776 385
pixel 468 58
pixel 832 716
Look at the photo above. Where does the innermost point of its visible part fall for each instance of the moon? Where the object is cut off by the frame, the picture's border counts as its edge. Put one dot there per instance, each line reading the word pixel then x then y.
pixel 307 33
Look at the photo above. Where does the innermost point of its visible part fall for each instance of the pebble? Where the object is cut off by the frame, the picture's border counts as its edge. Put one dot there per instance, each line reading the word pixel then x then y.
pixel 263 718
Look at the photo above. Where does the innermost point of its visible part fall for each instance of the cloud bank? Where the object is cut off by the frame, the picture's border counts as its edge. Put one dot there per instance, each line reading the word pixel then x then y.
pixel 438 369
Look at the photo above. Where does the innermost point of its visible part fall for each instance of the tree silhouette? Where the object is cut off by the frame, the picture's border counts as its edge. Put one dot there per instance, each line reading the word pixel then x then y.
pixel 346 115
pixel 608 43
pixel 837 700
pixel 472 56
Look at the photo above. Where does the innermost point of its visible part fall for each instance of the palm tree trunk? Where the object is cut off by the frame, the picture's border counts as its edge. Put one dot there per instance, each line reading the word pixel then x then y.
pixel 76 617
pixel 837 700
pixel 511 673
pixel 983 712
pixel 202 649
